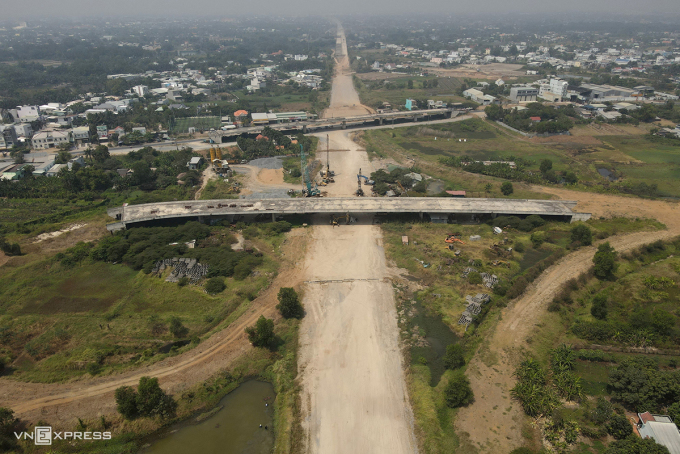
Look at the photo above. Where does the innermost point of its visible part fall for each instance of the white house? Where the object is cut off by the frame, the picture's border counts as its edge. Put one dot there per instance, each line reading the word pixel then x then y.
pixel 27 114
pixel 50 139
pixel 479 97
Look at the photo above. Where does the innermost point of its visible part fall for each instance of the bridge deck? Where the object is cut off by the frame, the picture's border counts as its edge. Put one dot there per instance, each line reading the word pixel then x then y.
pixel 356 205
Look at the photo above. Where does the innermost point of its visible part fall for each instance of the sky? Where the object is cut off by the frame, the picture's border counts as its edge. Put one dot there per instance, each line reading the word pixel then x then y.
pixel 220 8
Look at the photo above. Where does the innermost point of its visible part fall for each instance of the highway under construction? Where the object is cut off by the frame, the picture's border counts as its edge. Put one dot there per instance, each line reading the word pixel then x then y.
pixel 442 209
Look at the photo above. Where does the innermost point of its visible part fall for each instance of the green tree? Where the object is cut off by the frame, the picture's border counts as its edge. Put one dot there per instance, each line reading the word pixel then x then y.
pixel 619 427
pixel 458 392
pixel 177 328
pixel 546 165
pixel 101 153
pixel 599 308
pixel 8 425
pixel 262 334
pixel 63 156
pixel 215 285
pixel 581 233
pixel 410 84
pixel 605 262
pixel 454 356
pixel 674 412
pixel 636 445
pixel 126 401
pixel 289 303
pixel 494 112
pixel 153 401
pixel 506 188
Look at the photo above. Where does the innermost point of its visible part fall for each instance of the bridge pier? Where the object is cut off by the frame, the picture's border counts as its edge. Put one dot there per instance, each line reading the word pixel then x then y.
pixel 304 129
pixel 344 125
pixel 420 213
pixel 273 217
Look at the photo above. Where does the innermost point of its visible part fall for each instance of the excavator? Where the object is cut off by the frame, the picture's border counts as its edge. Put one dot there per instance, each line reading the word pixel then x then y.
pixel 453 238
pixel 335 220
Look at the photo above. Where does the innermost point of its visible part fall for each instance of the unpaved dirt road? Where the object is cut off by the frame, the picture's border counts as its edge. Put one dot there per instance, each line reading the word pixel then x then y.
pixel 494 422
pixel 354 397
pixel 354 393
pixel 344 98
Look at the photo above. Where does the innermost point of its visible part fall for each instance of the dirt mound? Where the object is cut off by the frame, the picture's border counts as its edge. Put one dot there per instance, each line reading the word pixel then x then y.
pixel 270 176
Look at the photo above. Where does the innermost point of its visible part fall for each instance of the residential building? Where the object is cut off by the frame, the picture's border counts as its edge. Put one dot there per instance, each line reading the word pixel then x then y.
pixel 23 130
pixel 523 94
pixel 50 139
pixel 661 429
pixel 8 136
pixel 81 134
pixel 77 160
pixel 102 133
pixel 139 129
pixel 555 90
pixel 55 169
pixel 27 114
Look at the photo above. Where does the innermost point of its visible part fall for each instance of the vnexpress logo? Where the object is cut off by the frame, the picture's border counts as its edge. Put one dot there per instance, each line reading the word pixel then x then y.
pixel 43 435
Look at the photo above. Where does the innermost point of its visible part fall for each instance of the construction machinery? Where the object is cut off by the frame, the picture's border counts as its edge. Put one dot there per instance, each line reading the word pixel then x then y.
pixel 308 190
pixel 359 192
pixel 453 238
pixel 367 181
pixel 335 220
pixel 327 174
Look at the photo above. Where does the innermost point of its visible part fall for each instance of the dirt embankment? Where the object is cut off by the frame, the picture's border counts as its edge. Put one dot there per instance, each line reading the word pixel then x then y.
pixel 494 422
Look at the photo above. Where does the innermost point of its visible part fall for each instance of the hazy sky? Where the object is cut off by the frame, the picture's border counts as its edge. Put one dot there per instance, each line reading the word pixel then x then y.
pixel 27 9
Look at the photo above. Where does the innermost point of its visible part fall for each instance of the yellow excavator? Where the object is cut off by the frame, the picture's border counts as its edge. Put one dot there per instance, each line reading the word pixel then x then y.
pixel 335 220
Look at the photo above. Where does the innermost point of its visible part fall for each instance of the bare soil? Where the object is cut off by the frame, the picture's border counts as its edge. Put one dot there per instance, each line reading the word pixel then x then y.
pixel 493 422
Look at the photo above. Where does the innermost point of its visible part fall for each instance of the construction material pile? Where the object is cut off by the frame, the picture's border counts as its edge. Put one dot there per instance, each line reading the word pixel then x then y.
pixel 490 280
pixel 182 267
pixel 473 308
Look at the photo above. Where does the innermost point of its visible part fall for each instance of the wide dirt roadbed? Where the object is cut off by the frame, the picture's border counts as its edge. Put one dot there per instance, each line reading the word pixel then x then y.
pixel 493 423
pixel 354 396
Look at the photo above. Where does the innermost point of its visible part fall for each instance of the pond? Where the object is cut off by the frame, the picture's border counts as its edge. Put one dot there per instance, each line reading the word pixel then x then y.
pixel 233 428
pixel 437 335
pixel 607 174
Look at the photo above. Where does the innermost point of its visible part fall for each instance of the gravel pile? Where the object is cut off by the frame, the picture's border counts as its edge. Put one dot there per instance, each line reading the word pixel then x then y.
pixel 267 163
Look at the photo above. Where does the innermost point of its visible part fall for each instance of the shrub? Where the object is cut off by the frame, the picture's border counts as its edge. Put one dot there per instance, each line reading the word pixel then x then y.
pixel 183 281
pixel 215 285
pixel 153 401
pixel 126 401
pixel 506 188
pixel 605 262
pixel 537 238
pixel 475 278
pixel 289 303
pixel 94 368
pixel 458 392
pixel 454 356
pixel 177 328
pixel 262 334
pixel 599 307
pixel 8 425
pixel 619 427
pixel 520 247
pixel 582 234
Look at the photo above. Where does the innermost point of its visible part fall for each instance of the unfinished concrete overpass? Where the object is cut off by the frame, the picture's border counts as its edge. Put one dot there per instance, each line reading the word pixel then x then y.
pixel 441 209
pixel 316 125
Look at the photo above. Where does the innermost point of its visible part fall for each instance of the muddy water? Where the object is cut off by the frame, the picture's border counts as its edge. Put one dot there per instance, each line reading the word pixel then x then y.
pixel 235 428
pixel 437 335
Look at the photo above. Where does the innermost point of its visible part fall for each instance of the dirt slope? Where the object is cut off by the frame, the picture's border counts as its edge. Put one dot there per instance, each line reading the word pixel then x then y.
pixel 494 422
